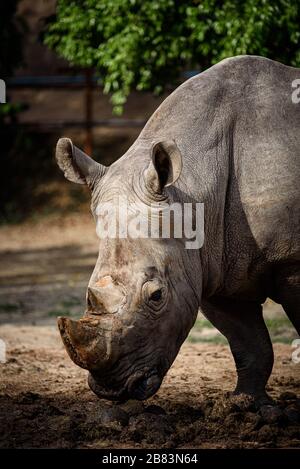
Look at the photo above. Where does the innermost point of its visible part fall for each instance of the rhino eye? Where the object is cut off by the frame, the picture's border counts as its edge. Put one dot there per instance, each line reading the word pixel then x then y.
pixel 156 295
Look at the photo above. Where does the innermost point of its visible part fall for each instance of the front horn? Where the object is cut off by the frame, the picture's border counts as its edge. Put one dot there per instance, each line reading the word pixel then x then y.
pixel 88 342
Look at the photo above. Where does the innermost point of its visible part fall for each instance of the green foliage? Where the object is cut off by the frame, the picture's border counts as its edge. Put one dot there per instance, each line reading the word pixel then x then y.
pixel 9 112
pixel 144 44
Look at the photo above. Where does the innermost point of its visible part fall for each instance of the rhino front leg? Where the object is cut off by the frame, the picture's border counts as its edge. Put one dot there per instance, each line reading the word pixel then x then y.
pixel 243 325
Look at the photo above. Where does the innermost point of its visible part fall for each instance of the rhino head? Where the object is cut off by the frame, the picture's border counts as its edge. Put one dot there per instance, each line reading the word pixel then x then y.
pixel 141 298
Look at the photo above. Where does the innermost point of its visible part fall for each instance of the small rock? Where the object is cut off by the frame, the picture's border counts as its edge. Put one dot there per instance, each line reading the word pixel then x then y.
pixel 61 421
pixel 12 360
pixel 133 407
pixel 242 402
pixel 253 420
pixel 287 396
pixel 29 397
pixel 247 433
pixel 231 404
pixel 151 428
pixel 292 414
pixel 251 417
pixel 53 410
pixel 155 409
pixel 294 443
pixel 266 433
pixel 114 415
pixel 271 414
pixel 232 419
pixel 207 407
pixel 293 431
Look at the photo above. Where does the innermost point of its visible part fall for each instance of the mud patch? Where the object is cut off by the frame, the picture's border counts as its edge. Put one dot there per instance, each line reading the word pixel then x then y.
pixel 45 401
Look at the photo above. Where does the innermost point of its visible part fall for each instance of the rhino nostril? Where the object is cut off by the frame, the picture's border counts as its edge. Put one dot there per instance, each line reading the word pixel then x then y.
pixel 145 386
pixel 89 304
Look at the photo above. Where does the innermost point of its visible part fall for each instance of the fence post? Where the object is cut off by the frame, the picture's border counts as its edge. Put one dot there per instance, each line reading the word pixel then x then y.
pixel 88 144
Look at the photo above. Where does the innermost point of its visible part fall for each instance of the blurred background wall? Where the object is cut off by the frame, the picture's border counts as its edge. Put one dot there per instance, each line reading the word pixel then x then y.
pixel 49 98
pixel 118 47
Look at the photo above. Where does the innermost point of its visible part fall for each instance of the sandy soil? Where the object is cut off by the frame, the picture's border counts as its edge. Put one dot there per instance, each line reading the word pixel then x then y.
pixel 45 399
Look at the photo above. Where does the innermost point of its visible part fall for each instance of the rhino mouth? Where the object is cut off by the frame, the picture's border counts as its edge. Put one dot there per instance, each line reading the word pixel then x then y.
pixel 139 386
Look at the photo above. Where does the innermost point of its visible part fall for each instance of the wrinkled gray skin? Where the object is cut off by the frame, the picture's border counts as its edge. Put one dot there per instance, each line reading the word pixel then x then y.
pixel 235 131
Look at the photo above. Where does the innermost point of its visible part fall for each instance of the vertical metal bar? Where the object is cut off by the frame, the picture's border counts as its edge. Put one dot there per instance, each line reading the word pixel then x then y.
pixel 88 144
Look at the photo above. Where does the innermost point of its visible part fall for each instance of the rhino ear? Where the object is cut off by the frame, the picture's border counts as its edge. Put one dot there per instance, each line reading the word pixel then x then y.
pixel 76 165
pixel 165 166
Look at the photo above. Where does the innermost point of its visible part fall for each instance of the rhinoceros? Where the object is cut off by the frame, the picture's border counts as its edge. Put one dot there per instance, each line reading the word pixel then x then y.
pixel 228 138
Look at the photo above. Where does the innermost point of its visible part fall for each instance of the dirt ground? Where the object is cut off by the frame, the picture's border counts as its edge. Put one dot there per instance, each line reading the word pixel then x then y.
pixel 45 399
